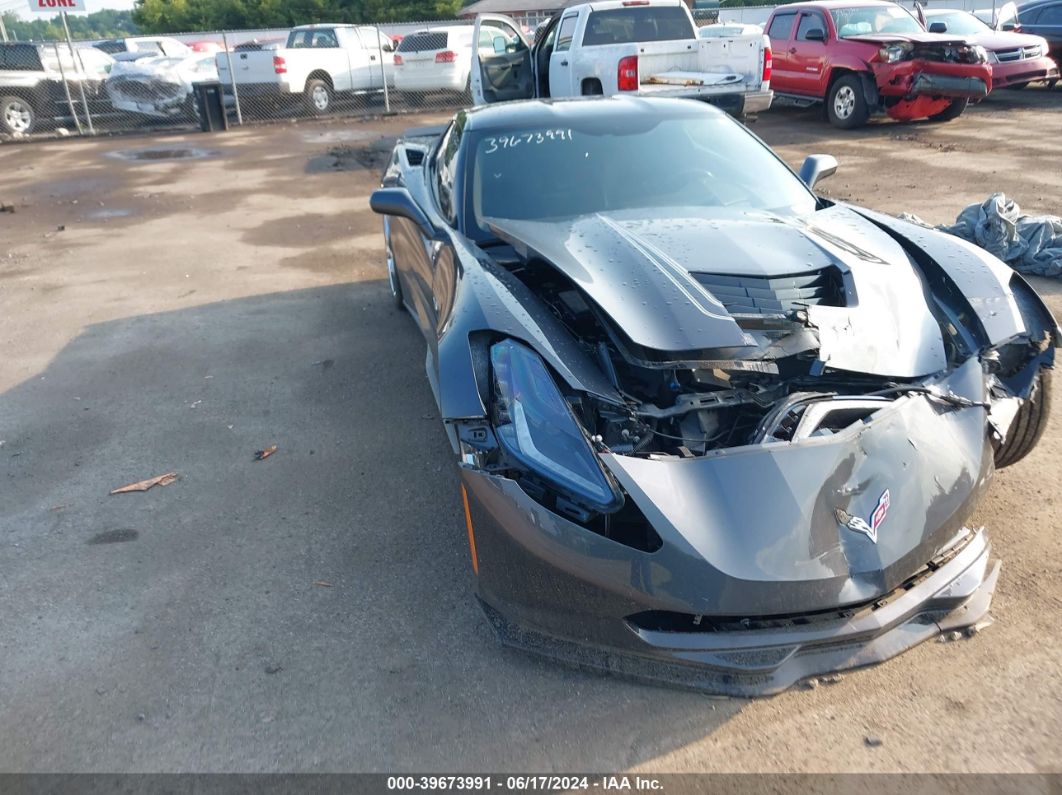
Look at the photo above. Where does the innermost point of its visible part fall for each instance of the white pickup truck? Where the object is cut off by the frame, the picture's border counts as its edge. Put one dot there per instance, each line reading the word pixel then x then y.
pixel 624 46
pixel 317 63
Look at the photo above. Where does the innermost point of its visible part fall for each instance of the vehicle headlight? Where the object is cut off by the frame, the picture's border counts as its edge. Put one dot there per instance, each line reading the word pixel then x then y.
pixel 981 53
pixel 894 52
pixel 536 426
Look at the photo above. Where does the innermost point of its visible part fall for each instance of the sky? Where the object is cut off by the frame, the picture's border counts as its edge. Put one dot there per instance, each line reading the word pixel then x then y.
pixel 19 7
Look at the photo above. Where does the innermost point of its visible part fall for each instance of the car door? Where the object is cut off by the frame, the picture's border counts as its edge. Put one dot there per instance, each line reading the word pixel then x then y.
pixel 372 50
pixel 807 55
pixel 344 61
pixel 561 80
pixel 780 32
pixel 416 256
pixel 506 74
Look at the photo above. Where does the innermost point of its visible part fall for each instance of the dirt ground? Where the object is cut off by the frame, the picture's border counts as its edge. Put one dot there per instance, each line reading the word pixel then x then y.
pixel 312 611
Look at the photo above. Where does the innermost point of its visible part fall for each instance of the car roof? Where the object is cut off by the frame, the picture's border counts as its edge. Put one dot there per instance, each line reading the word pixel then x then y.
pixel 832 4
pixel 938 12
pixel 440 29
pixel 558 113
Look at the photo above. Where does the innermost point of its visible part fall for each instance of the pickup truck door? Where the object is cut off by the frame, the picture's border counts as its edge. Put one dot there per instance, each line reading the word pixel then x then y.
pixel 509 72
pixel 561 70
pixel 807 56
pixel 379 50
pixel 780 32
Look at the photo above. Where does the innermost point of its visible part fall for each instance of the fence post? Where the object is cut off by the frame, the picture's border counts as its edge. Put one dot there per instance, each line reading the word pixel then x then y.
pixel 75 59
pixel 232 78
pixel 66 89
pixel 383 71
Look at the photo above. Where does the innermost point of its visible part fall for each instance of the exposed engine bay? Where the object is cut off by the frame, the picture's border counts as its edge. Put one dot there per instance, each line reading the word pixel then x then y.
pixel 775 389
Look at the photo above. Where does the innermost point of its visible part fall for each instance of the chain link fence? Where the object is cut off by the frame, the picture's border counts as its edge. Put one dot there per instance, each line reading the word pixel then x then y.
pixel 320 71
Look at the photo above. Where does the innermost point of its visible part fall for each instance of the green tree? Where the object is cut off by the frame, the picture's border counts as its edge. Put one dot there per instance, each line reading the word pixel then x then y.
pixel 175 16
pixel 100 25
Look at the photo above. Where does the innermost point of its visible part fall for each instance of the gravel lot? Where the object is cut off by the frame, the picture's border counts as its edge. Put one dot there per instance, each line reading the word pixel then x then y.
pixel 312 611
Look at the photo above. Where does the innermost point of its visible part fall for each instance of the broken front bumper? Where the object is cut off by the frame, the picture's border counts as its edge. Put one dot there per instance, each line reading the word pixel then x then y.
pixel 909 79
pixel 948 86
pixel 540 598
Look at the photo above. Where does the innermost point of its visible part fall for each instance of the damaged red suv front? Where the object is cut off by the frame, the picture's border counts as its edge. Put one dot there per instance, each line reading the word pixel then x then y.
pixel 921 76
pixel 861 57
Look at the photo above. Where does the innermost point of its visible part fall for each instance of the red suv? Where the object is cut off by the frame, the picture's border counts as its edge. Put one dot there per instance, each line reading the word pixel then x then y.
pixel 864 56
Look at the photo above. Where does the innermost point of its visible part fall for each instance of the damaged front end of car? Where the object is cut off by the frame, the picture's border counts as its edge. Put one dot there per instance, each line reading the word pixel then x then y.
pixel 788 500
pixel 915 78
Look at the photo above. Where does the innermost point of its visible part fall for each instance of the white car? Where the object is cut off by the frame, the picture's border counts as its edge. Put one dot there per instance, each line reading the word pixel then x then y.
pixel 439 59
pixel 728 29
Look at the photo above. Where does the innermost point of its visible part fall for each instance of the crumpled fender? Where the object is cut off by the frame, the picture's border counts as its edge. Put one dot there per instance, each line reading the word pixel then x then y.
pixel 490 299
pixel 982 279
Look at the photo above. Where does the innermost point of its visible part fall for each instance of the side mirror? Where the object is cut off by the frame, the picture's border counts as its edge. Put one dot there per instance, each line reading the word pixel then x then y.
pixel 500 44
pixel 938 27
pixel 1008 25
pixel 815 34
pixel 816 168
pixel 397 201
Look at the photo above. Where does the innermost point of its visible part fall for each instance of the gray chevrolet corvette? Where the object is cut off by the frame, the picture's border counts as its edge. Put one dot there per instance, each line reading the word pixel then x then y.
pixel 713 430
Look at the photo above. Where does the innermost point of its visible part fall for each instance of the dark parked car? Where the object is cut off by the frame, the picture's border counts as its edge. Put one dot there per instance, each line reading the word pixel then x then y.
pixel 712 429
pixel 1043 18
pixel 32 90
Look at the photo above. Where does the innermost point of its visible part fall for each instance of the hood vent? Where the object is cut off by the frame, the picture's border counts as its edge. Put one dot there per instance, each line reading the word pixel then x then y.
pixel 775 295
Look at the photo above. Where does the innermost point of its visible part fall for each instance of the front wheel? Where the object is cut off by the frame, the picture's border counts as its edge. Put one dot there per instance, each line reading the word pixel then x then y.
pixel 318 97
pixel 17 116
pixel 953 111
pixel 846 106
pixel 1028 425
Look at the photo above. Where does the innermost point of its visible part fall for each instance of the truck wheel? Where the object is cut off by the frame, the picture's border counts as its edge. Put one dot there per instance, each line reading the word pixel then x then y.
pixel 846 107
pixel 1029 425
pixel 953 111
pixel 318 96
pixel 16 116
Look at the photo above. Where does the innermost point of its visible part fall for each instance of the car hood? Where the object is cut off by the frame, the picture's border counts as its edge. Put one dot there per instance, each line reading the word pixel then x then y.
pixel 665 277
pixel 1005 40
pixel 916 38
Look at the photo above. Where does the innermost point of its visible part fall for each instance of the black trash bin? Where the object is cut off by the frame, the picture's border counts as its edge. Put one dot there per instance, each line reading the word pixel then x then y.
pixel 210 103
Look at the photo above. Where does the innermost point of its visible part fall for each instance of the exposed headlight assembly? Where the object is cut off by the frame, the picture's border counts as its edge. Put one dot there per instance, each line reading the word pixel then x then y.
pixel 895 52
pixel 981 53
pixel 536 426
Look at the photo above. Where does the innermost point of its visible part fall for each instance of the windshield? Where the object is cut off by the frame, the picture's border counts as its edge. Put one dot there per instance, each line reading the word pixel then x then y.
pixel 862 20
pixel 959 22
pixel 637 24
pixel 699 161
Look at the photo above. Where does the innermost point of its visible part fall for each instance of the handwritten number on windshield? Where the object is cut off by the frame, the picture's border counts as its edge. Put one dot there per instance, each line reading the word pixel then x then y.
pixel 520 139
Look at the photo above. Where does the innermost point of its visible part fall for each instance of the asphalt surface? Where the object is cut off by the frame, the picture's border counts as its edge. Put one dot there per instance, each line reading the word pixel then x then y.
pixel 312 611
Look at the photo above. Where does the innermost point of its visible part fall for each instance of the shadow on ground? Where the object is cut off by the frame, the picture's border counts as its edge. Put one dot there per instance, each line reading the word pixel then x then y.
pixel 311 611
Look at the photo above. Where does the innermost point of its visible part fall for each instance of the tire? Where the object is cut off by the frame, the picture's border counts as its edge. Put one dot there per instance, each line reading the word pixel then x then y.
pixel 1028 425
pixel 17 116
pixel 392 273
pixel 319 96
pixel 846 106
pixel 953 111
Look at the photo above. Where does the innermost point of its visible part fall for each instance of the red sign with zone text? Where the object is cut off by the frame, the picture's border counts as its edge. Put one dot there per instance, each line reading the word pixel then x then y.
pixel 55 6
